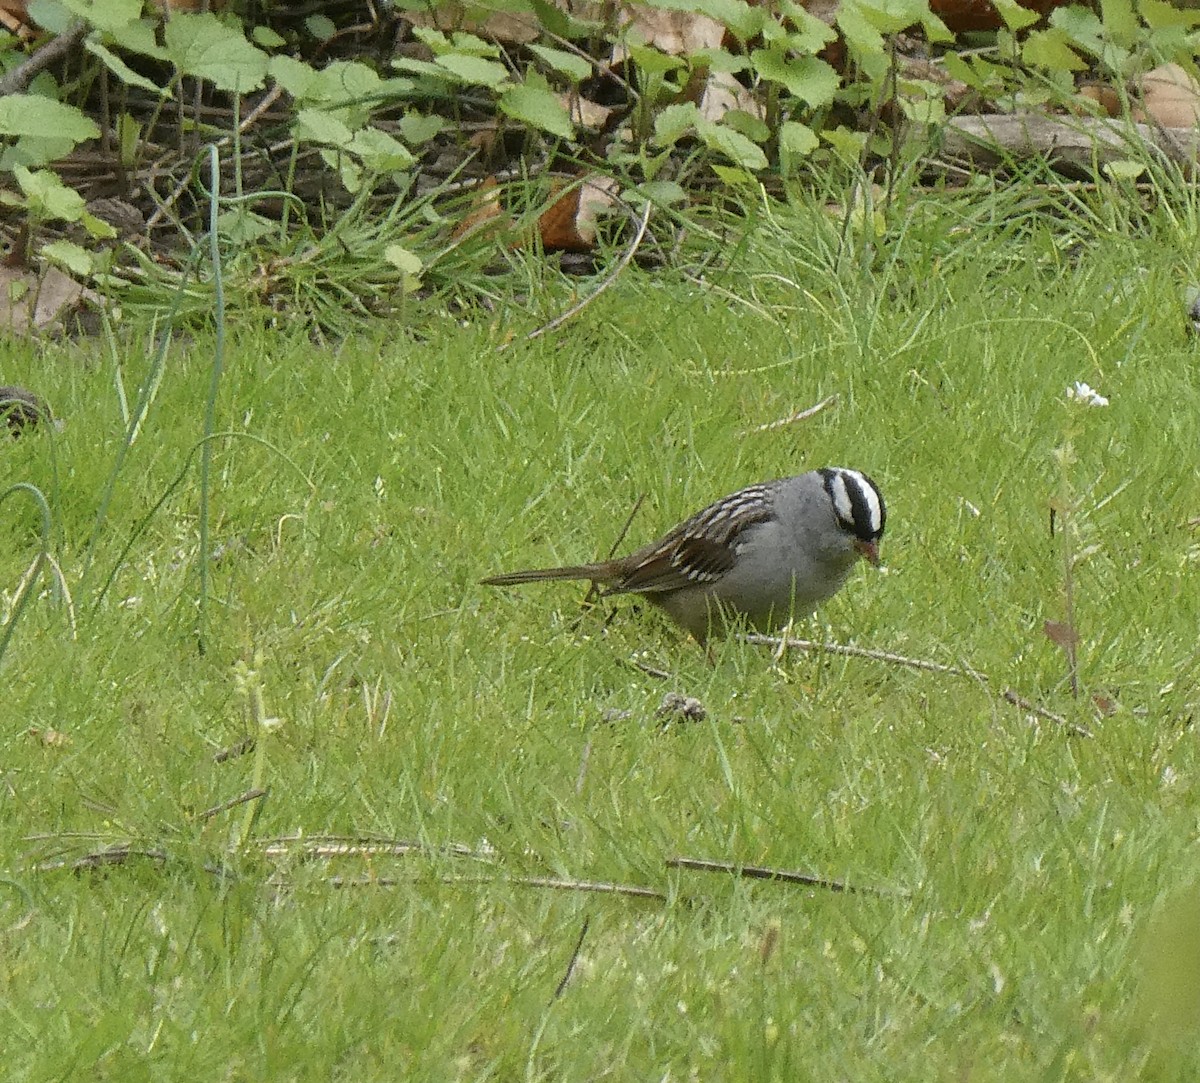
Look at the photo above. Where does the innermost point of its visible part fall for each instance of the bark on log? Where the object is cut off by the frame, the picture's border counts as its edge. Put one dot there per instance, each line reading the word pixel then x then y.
pixel 1077 145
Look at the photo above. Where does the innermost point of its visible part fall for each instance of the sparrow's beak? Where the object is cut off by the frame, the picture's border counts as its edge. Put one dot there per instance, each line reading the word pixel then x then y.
pixel 868 549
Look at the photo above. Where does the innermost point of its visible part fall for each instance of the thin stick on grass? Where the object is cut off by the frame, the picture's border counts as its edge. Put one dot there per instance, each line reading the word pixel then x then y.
pixel 1011 696
pixel 791 419
pixel 812 646
pixel 613 275
pixel 599 887
pixel 562 985
pixel 786 876
pixel 233 802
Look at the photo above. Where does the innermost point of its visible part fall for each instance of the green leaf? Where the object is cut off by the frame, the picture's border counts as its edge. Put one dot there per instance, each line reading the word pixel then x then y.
pixel 72 257
pixel 573 67
pixel 106 15
pixel 51 16
pixel 47 197
pixel 652 61
pixel 320 27
pixel 735 146
pixel 97 227
pixel 810 34
pixel 122 70
pixel 138 38
pixel 380 152
pixel 1160 15
pixel 735 178
pixel 810 79
pixel 418 128
pixel 662 193
pixel 317 126
pixel 407 263
pixel 797 139
pixel 474 70
pixel 673 122
pixel 751 126
pixel 1050 49
pixel 296 77
pixel 267 38
pixel 1120 23
pixel 33 115
pixel 1125 169
pixel 203 46
pixel 720 60
pixel 847 144
pixel 242 226
pixel 539 107
pixel 1015 17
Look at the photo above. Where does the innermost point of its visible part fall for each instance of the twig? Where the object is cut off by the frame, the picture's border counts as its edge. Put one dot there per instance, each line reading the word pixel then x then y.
pixel 649 670
pixel 330 846
pixel 246 744
pixel 761 872
pixel 23 74
pixel 233 802
pixel 571 964
pixel 583 302
pixel 803 415
pixel 1011 696
pixel 862 652
pixel 632 891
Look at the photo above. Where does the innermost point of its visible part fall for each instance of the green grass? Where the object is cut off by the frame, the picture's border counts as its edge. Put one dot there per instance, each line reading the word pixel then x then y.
pixel 1025 866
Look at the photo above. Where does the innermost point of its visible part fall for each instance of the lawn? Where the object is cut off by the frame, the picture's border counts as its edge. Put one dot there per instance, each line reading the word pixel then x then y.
pixel 1023 898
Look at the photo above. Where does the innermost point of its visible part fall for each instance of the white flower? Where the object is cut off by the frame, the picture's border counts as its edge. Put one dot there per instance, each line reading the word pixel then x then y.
pixel 1086 395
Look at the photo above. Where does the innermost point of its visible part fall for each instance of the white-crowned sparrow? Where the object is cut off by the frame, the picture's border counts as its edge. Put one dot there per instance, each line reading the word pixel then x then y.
pixel 762 555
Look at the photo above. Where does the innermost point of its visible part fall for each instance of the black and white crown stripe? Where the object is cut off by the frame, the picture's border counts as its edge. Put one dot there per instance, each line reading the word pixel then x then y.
pixel 857 502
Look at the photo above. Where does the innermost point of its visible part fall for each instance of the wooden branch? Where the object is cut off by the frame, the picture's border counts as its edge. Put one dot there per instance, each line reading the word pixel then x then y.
pixel 1079 143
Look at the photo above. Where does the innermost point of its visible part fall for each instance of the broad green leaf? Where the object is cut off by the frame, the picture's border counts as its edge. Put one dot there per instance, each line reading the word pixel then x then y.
pixel 243 226
pixel 1120 23
pixel 720 60
pixel 51 16
pixel 320 27
pixel 79 261
pixel 748 124
pixel 47 197
pixel 797 139
pixel 1160 14
pixel 1015 17
pixel 293 75
pixel 662 193
pixel 539 107
pixel 863 39
pixel 97 227
pixel 923 110
pixel 418 128
pixel 847 144
pixel 29 114
pixel 407 263
pixel 317 126
pixel 1124 169
pixel 735 146
pixel 203 46
pixel 469 44
pixel 573 67
pixel 735 178
pixel 673 122
pixel 1050 49
pixel 380 152
pixel 810 79
pixel 1083 27
pixel 474 70
pixel 892 16
pixel 106 14
pixel 138 37
pixel 267 38
pixel 810 34
pixel 122 70
pixel 350 172
pixel 652 61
